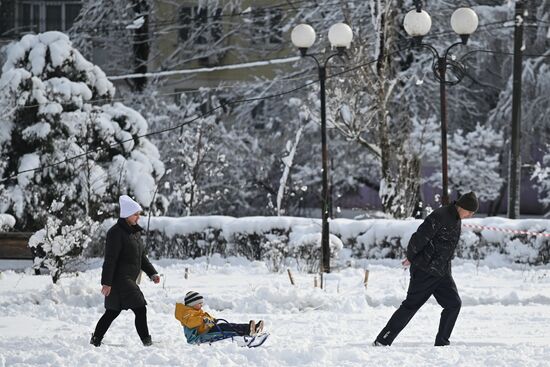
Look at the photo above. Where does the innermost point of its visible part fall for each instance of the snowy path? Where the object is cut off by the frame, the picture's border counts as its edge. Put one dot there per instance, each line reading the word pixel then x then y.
pixel 504 319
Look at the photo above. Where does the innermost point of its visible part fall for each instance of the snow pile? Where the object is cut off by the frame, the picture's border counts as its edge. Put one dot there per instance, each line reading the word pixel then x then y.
pixel 504 312
pixel 6 222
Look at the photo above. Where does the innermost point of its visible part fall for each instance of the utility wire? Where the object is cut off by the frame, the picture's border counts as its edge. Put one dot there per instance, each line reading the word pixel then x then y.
pixel 508 53
pixel 236 101
pixel 179 126
pixel 240 85
pixel 251 12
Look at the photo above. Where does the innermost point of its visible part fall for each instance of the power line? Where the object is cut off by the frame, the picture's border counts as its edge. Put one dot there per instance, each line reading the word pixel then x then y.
pixel 189 71
pixel 187 91
pixel 248 12
pixel 179 126
pixel 508 53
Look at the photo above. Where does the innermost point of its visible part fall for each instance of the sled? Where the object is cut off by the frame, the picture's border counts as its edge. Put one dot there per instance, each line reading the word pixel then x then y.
pixel 256 340
pixel 244 341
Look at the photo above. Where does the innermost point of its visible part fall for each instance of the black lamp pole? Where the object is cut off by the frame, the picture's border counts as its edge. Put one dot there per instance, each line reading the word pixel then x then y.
pixel 440 70
pixel 325 197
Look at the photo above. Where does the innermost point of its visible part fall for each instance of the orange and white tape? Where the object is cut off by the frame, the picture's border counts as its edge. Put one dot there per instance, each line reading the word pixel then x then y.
pixel 497 229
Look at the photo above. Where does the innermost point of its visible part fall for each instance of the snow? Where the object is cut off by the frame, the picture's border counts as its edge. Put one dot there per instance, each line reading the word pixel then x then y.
pixel 28 161
pixel 287 162
pixel 136 24
pixel 41 129
pixel 61 54
pixel 503 321
pixel 6 222
pixel 207 70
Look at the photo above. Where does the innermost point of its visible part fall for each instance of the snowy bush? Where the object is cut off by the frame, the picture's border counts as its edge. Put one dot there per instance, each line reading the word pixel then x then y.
pixel 6 222
pixel 57 246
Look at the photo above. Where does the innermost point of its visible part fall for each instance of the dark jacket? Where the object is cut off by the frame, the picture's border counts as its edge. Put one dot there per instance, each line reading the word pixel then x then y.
pixel 433 245
pixel 124 259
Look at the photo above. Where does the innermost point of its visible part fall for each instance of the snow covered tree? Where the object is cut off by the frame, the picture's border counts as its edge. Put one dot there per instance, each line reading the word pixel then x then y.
pixel 541 176
pixel 535 108
pixel 78 149
pixel 362 104
pixel 475 164
pixel 194 178
pixel 110 31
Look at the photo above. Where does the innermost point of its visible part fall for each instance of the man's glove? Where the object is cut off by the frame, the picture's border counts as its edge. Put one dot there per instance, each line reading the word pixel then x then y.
pixel 208 322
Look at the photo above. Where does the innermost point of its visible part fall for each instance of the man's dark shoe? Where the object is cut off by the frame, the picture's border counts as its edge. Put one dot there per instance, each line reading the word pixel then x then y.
pixel 147 341
pixel 442 344
pixel 376 343
pixel 96 340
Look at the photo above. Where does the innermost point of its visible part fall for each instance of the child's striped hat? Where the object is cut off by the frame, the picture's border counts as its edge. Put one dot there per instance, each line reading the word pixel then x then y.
pixel 193 298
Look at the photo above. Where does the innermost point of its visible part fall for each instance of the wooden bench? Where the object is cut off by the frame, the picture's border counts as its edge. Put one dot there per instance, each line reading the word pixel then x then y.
pixel 14 246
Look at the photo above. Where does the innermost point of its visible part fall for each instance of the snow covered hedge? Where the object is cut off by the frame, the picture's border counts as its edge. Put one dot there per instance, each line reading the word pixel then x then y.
pixel 284 240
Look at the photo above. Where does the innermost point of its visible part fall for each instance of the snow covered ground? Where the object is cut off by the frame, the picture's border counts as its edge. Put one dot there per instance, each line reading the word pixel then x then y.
pixel 504 319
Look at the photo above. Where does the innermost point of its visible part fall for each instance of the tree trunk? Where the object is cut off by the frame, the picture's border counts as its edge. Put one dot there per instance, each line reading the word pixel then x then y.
pixel 141 43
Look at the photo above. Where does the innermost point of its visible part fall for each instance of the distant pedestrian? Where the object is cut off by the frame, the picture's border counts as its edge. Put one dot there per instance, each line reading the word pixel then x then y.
pixel 125 258
pixel 429 255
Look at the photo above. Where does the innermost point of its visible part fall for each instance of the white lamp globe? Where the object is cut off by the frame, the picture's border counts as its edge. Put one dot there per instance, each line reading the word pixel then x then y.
pixel 417 24
pixel 303 36
pixel 464 21
pixel 340 35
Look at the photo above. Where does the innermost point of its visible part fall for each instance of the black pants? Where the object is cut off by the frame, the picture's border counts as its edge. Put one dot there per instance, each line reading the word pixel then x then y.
pixel 110 315
pixel 421 287
pixel 240 329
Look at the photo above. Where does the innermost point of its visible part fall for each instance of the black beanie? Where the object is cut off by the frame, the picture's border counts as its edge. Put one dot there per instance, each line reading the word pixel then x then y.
pixel 468 201
pixel 193 298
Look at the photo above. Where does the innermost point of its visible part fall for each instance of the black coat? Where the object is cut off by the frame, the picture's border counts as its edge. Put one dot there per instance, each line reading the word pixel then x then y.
pixel 124 259
pixel 433 245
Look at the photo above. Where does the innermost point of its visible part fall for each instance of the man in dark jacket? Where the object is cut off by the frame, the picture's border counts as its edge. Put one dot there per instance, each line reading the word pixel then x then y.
pixel 124 260
pixel 429 254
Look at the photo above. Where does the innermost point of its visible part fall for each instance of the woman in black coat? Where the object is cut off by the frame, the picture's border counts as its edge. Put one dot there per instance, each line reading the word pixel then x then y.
pixel 124 260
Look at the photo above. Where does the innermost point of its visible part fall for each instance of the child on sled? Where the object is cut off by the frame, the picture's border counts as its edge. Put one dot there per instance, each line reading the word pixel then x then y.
pixel 201 327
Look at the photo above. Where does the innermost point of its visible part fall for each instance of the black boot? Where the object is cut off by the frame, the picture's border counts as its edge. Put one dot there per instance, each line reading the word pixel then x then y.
pixel 147 341
pixel 96 340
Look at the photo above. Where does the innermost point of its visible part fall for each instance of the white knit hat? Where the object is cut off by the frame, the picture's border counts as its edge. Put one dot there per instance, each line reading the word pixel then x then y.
pixel 193 298
pixel 128 206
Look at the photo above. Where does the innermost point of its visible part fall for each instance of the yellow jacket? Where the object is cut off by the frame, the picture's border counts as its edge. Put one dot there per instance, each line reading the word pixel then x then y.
pixel 193 319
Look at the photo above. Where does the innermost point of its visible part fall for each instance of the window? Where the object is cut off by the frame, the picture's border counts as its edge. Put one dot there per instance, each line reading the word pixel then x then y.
pixel 54 20
pixel 200 25
pixel 71 13
pixel 30 16
pixel 40 16
pixel 267 26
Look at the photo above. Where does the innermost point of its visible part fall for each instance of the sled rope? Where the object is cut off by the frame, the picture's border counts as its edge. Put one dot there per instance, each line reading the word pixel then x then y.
pixel 498 229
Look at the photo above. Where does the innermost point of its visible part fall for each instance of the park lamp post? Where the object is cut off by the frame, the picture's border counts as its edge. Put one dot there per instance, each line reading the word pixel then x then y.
pixel 417 24
pixel 303 37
